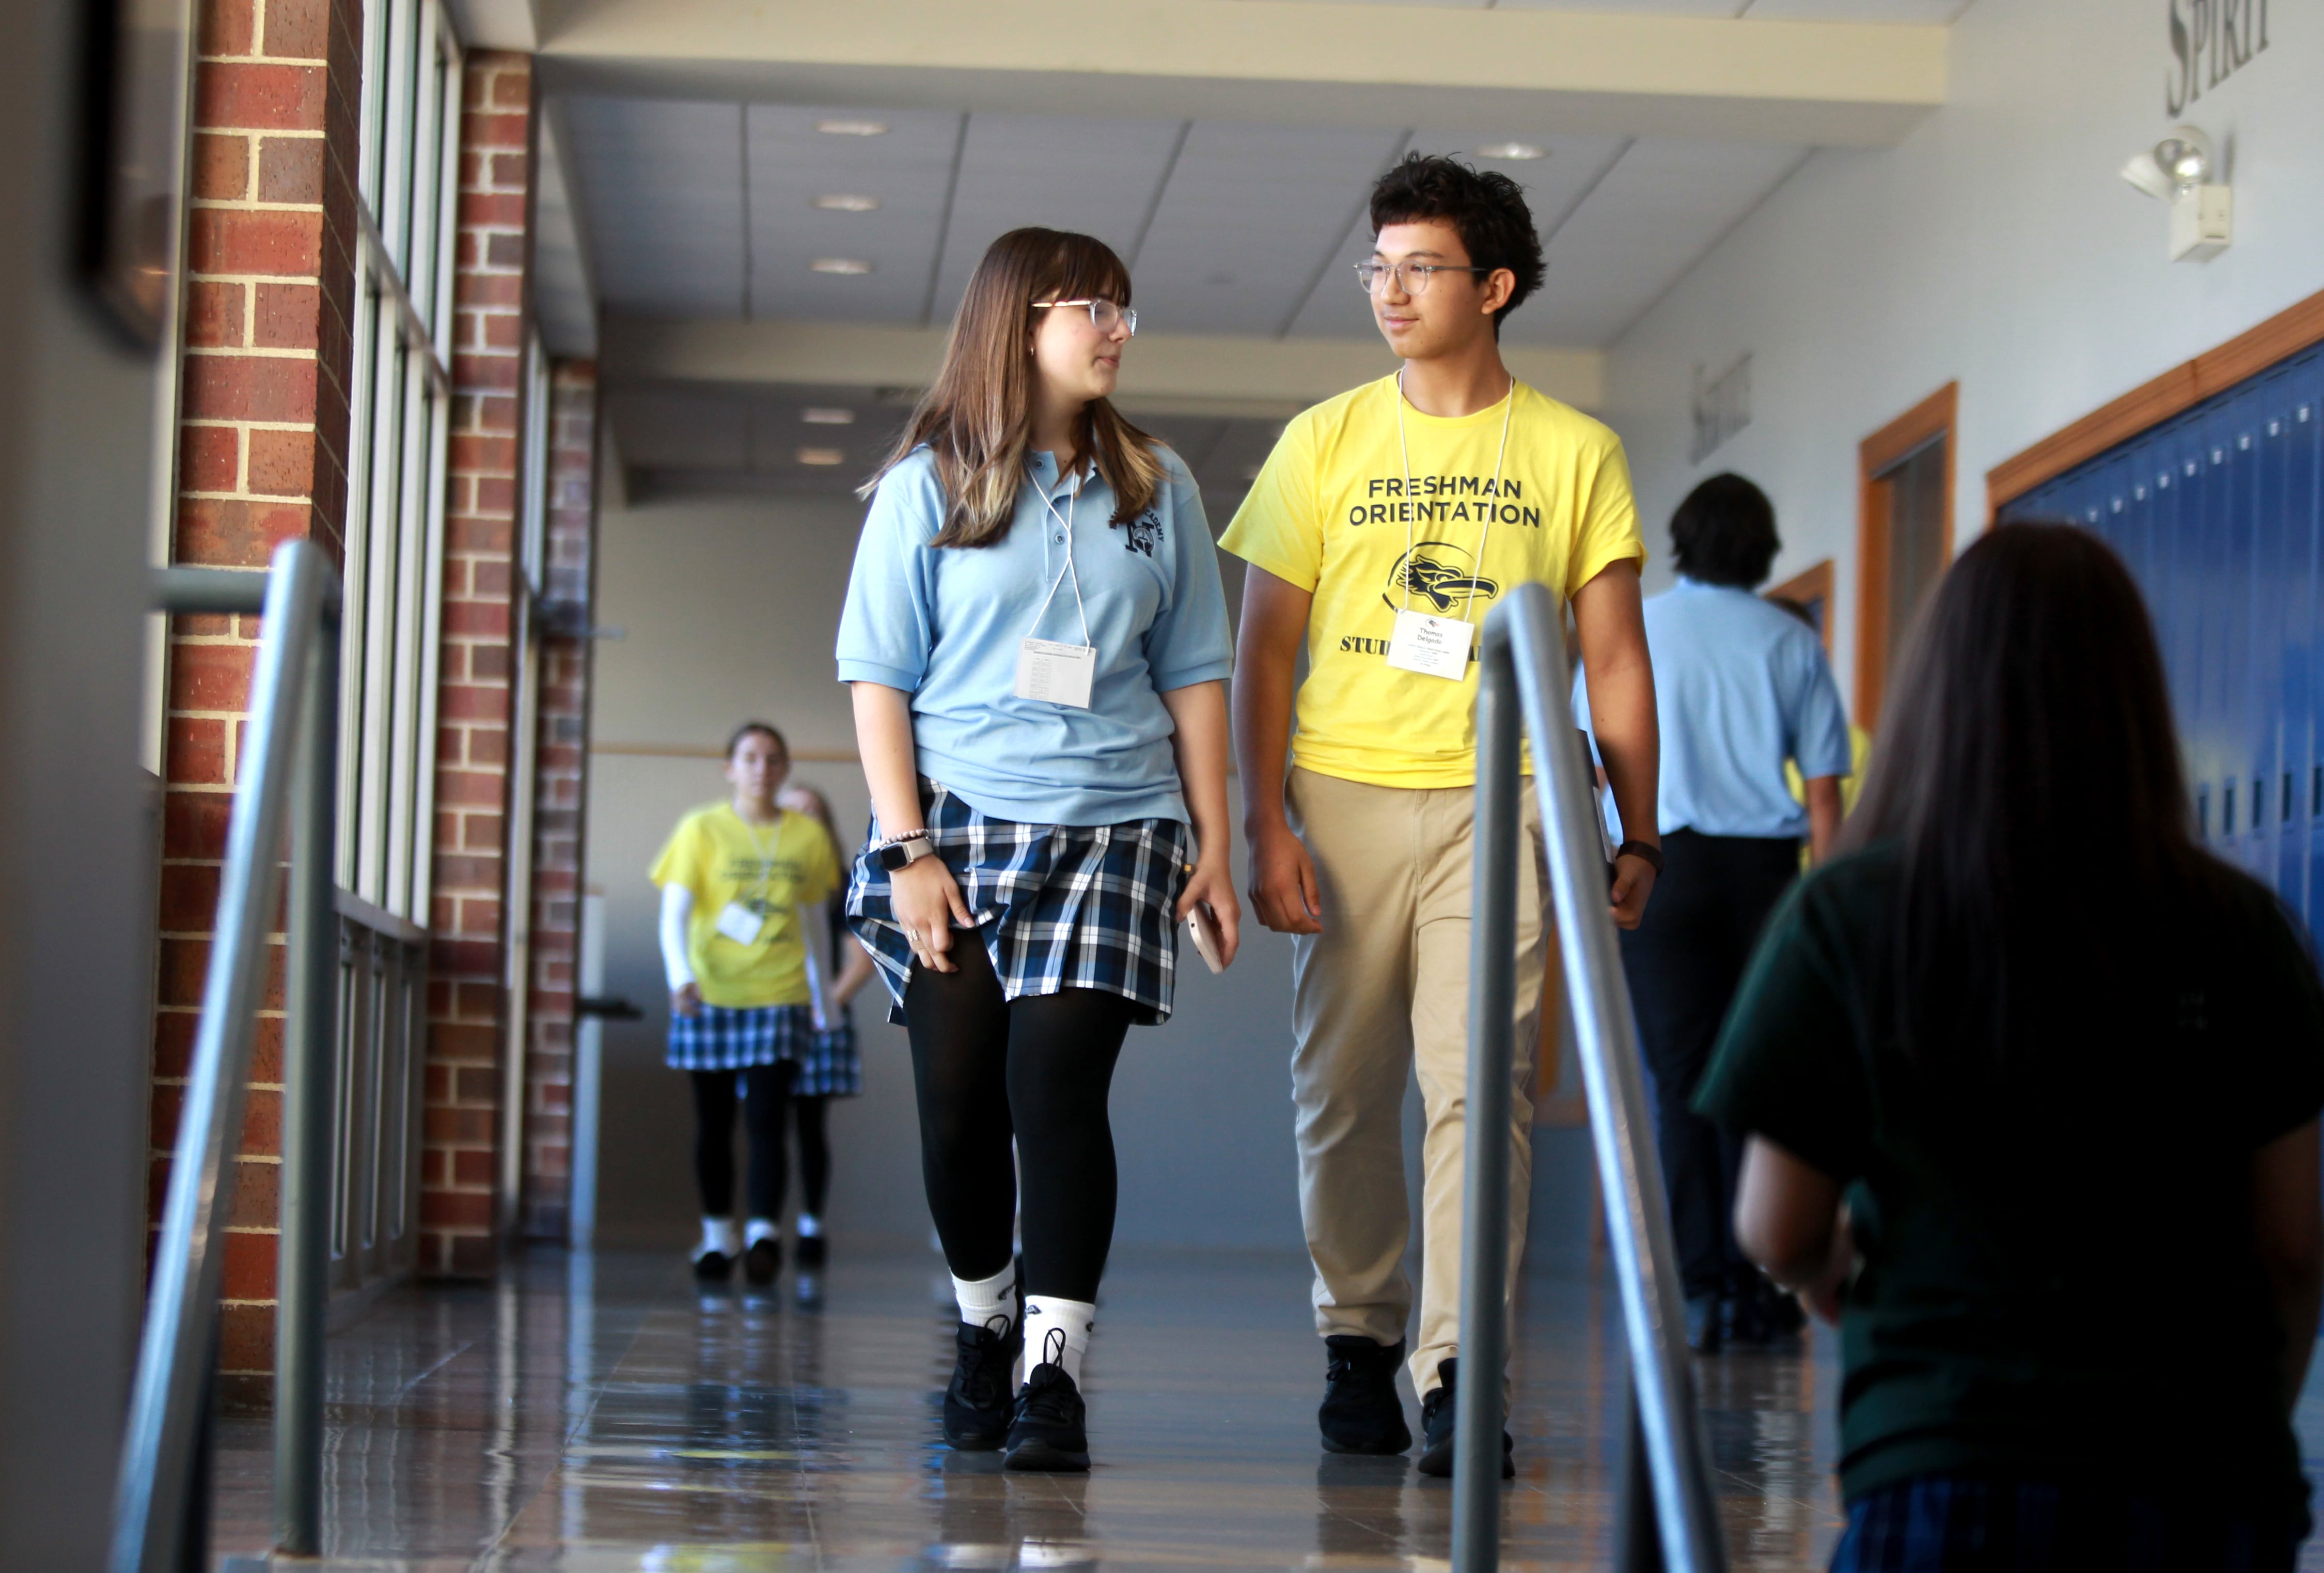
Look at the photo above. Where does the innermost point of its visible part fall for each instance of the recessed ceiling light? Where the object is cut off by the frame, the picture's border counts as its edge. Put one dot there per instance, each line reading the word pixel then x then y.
pixel 840 264
pixel 823 455
pixel 821 416
pixel 845 202
pixel 852 127
pixel 1512 150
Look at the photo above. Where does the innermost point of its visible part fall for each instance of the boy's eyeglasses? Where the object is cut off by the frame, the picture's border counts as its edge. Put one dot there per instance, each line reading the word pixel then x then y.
pixel 1103 314
pixel 1411 278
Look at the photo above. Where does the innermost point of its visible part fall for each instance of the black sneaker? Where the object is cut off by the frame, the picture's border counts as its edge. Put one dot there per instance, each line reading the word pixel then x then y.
pixel 763 1260
pixel 1437 1424
pixel 976 1401
pixel 808 1251
pixel 712 1265
pixel 1361 1412
pixel 1048 1433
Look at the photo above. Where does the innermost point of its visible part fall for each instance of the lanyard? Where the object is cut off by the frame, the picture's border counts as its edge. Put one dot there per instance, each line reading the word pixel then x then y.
pixel 1072 500
pixel 1412 504
pixel 766 855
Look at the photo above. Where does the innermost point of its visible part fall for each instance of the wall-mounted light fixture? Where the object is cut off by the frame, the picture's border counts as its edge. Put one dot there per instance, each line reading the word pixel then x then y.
pixel 2178 169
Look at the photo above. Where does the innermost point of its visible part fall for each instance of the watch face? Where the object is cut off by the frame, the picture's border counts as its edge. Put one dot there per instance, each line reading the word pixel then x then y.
pixel 892 858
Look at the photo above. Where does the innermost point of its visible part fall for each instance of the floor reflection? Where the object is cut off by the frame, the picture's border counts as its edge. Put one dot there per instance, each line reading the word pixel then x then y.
pixel 600 1415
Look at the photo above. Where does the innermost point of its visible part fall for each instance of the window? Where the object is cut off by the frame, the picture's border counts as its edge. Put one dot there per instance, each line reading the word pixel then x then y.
pixel 397 448
pixel 1905 536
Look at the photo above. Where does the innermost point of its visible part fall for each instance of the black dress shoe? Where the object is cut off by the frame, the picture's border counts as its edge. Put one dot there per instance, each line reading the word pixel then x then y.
pixel 976 1399
pixel 1361 1412
pixel 711 1266
pixel 1438 1416
pixel 1705 1332
pixel 809 1250
pixel 763 1260
pixel 1047 1432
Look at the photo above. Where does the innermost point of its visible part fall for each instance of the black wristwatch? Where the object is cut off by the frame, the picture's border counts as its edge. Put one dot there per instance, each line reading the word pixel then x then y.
pixel 906 850
pixel 1644 852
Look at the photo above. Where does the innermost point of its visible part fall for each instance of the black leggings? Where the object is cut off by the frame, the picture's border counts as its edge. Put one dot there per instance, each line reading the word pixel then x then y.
pixel 1037 1071
pixel 770 1089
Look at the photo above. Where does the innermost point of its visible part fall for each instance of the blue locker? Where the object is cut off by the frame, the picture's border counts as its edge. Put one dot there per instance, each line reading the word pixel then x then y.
pixel 2219 515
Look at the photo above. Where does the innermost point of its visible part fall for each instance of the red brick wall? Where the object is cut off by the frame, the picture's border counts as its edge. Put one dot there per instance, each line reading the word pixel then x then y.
pixel 477 694
pixel 561 786
pixel 264 429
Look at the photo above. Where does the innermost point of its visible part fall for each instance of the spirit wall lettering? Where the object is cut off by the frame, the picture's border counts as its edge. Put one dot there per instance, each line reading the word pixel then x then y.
pixel 2211 41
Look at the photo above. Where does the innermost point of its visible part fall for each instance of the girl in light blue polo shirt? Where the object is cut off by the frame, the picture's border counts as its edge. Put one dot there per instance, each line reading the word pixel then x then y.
pixel 1037 645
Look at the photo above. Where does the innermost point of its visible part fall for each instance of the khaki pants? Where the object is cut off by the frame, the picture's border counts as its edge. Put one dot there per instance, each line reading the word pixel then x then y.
pixel 1381 992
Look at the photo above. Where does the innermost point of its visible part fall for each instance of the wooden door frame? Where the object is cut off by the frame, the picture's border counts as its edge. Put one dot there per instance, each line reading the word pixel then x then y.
pixel 1810 583
pixel 2151 403
pixel 1934 417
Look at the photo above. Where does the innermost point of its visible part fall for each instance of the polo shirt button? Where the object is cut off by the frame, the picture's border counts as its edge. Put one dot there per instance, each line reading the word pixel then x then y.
pixel 1061 540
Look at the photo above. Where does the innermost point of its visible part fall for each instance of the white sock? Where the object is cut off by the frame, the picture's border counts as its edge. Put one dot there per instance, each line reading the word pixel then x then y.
pixel 982 1300
pixel 718 1234
pixel 764 1229
pixel 1057 1332
pixel 808 1225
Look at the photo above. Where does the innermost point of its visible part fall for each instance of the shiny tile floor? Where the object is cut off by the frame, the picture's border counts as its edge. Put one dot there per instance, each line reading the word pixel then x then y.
pixel 599 1415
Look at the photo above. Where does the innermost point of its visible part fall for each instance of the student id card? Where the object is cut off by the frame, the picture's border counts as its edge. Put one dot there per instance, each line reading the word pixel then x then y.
pixel 1431 646
pixel 739 923
pixel 1060 674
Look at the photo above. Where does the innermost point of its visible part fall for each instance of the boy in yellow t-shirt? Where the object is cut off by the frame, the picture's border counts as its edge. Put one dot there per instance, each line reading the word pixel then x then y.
pixel 733 877
pixel 1383 528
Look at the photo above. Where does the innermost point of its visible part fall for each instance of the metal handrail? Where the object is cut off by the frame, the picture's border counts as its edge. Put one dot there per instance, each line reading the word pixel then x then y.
pixel 1667 1513
pixel 289 761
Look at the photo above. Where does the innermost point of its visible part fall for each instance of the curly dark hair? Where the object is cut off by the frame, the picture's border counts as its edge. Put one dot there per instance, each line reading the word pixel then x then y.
pixel 1487 208
pixel 1724 534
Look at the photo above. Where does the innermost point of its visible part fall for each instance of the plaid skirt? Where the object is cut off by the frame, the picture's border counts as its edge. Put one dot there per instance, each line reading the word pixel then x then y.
pixel 1961 1523
pixel 1058 906
pixel 832 1066
pixel 732 1038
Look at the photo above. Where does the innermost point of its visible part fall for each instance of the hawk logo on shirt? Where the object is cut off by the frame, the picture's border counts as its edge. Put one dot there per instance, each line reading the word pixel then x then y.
pixel 1142 533
pixel 1440 577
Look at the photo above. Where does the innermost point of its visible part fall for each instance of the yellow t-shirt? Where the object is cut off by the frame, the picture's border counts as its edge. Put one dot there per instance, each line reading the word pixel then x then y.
pixel 768 869
pixel 1328 513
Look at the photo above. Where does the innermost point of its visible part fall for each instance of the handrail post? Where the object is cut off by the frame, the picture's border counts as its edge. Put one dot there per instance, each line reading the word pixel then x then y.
pixel 174 1358
pixel 1523 639
pixel 1492 1051
pixel 309 1040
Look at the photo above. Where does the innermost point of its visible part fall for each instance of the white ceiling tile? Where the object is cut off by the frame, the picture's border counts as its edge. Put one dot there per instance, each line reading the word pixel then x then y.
pixel 907 170
pixel 662 184
pixel 1663 203
pixel 1248 215
pixel 1096 176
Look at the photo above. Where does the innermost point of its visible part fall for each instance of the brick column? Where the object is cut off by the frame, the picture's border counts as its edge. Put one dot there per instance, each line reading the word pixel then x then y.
pixel 561 787
pixel 475 697
pixel 261 450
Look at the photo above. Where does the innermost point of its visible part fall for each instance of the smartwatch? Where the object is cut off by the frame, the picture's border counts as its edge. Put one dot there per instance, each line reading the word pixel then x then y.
pixel 905 850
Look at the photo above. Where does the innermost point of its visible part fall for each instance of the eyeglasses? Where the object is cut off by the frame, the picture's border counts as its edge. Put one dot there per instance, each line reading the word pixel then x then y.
pixel 1411 278
pixel 1103 314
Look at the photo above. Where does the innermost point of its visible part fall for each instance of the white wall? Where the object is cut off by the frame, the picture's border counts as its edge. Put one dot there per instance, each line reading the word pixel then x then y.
pixel 1996 246
pixel 731 609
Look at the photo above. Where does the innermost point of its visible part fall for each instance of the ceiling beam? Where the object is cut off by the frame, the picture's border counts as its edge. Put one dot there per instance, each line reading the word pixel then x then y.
pixel 1511 72
pixel 1185 374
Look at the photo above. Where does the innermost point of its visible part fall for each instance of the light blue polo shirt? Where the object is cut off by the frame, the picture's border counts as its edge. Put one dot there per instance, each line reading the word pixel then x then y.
pixel 1740 686
pixel 945 625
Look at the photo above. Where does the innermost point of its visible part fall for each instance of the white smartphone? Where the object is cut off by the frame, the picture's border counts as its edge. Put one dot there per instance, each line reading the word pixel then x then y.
pixel 1204 925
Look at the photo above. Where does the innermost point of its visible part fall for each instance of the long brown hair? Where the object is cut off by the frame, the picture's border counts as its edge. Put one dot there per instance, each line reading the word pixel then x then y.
pixel 977 418
pixel 2028 769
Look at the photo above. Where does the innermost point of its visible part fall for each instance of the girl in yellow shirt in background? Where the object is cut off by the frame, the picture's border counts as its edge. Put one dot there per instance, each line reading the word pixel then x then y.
pixel 733 877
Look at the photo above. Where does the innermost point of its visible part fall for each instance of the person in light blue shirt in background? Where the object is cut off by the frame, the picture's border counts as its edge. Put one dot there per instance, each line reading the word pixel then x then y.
pixel 1741 687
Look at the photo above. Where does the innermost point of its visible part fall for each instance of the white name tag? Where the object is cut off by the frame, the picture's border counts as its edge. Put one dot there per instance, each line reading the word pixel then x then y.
pixel 1058 673
pixel 739 923
pixel 1432 646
